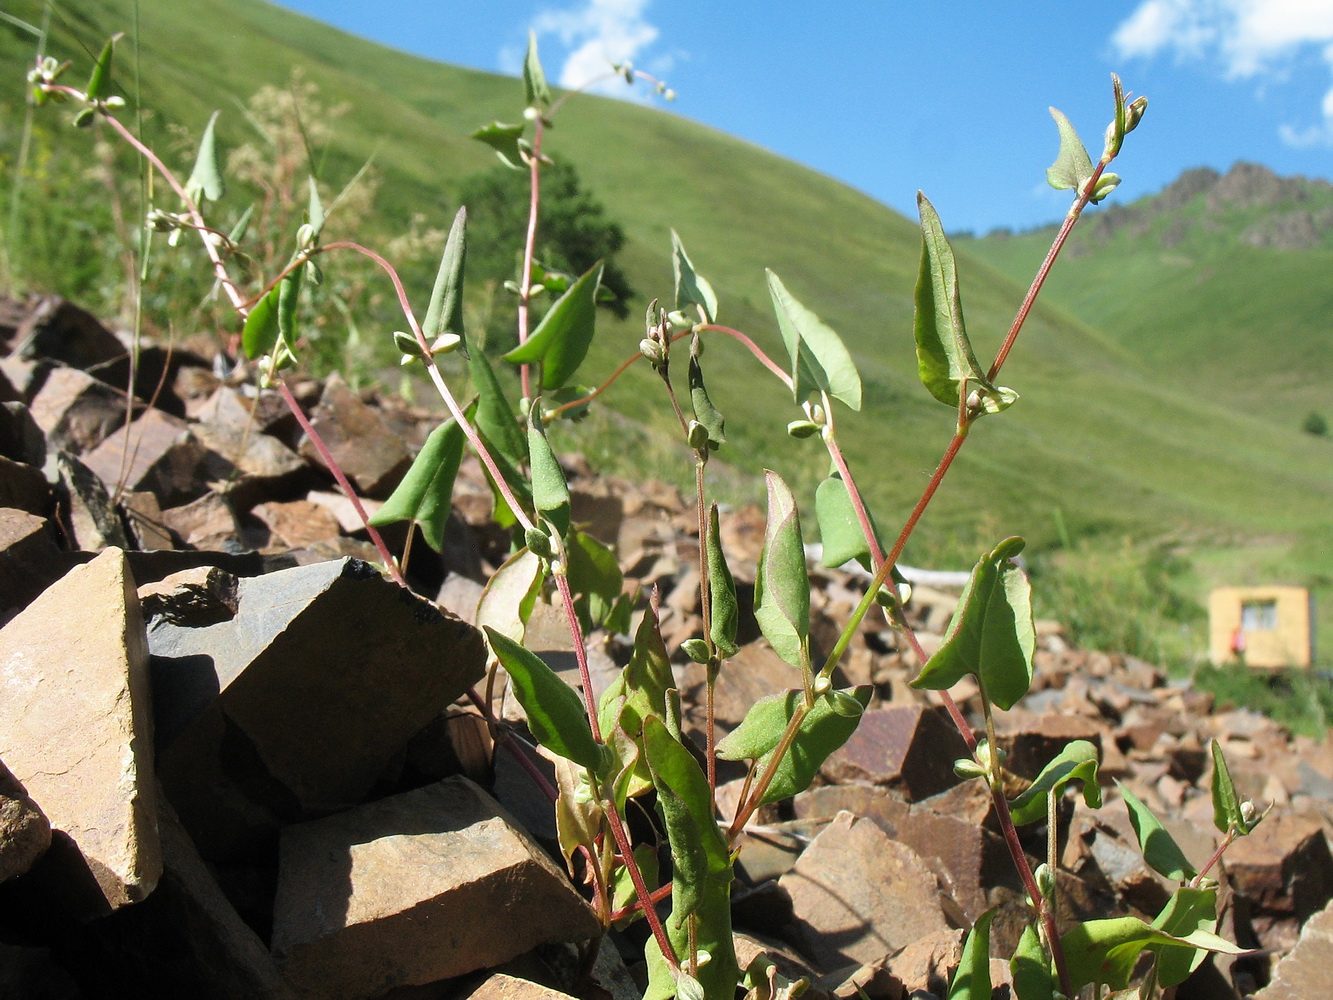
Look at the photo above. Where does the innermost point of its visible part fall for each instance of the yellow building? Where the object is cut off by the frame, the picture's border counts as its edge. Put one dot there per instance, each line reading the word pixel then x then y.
pixel 1264 626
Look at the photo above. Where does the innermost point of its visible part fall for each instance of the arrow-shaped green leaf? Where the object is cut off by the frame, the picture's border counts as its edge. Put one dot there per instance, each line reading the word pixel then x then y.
pixel 1076 762
pixel 555 712
pixel 971 981
pixel 445 312
pixel 206 177
pixel 504 139
pixel 991 635
pixel 561 339
pixel 1159 848
pixel 1073 166
pixel 426 493
pixel 819 359
pixel 691 287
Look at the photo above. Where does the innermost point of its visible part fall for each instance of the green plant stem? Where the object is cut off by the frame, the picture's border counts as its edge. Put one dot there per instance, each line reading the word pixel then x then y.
pixel 529 249
pixel 706 614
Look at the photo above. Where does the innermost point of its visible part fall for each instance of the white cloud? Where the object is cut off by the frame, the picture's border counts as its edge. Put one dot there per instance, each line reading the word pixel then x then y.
pixel 596 34
pixel 1247 38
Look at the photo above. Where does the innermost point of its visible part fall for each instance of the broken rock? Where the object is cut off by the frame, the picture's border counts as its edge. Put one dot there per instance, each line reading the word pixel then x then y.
pixel 907 747
pixel 368 450
pixel 75 724
pixel 25 833
pixel 859 896
pixel 418 887
pixel 327 670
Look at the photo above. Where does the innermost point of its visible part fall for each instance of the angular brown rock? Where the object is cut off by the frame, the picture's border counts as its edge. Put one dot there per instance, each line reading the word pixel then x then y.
pixel 367 449
pixel 417 887
pixel 76 411
pixel 1304 972
pixel 327 670
pixel 907 747
pixel 157 453
pixel 29 560
pixel 859 896
pixel 75 723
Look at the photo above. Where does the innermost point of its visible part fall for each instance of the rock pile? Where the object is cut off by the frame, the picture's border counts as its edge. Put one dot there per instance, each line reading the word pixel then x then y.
pixel 238 762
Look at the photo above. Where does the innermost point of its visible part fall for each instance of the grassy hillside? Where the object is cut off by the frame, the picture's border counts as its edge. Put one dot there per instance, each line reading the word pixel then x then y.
pixel 1223 281
pixel 1101 434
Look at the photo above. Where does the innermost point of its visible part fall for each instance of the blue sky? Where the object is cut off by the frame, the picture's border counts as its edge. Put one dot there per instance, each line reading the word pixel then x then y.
pixel 950 97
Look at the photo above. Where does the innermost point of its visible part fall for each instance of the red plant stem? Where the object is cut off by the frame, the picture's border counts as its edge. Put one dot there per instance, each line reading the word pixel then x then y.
pixel 519 748
pixel 1020 860
pixel 1214 859
pixel 656 896
pixel 242 308
pixel 219 267
pixel 585 400
pixel 640 886
pixel 343 482
pixel 580 654
pixel 529 248
pixel 747 808
pixel 441 386
pixel 1057 245
pixel 853 494
pixel 764 359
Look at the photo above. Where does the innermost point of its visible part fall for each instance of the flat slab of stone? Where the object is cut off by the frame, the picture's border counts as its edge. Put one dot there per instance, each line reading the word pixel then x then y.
pixel 908 747
pixel 859 896
pixel 418 887
pixel 327 669
pixel 76 727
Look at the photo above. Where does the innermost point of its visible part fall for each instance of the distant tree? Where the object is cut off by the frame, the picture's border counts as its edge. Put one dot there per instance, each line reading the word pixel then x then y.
pixel 1315 424
pixel 573 229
